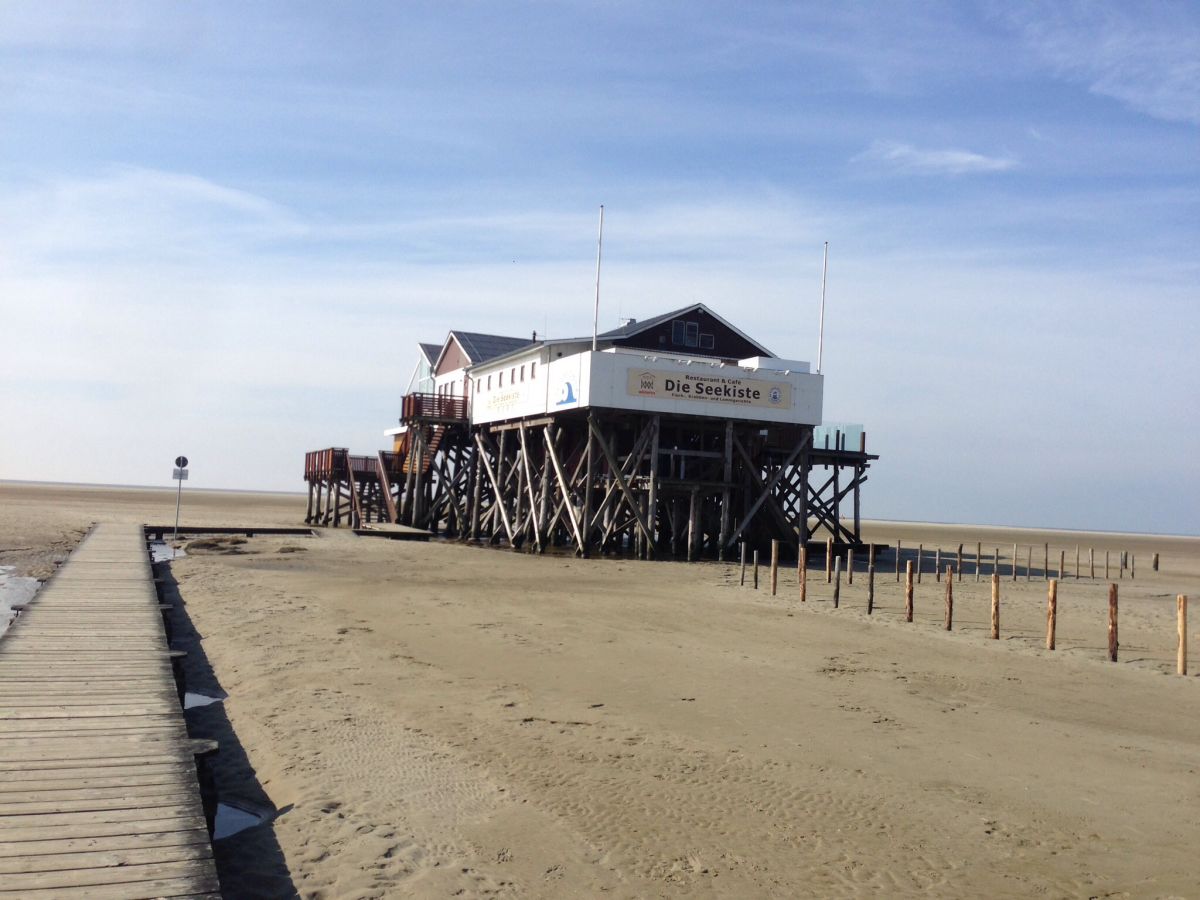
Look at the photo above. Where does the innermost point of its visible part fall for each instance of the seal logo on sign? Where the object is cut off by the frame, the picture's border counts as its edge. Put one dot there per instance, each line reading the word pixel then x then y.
pixel 775 395
pixel 646 382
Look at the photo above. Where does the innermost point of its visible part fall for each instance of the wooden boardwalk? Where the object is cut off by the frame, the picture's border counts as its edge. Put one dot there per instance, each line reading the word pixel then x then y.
pixel 99 795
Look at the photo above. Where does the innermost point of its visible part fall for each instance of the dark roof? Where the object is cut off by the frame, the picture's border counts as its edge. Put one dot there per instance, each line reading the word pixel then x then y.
pixel 631 328
pixel 482 347
pixel 431 351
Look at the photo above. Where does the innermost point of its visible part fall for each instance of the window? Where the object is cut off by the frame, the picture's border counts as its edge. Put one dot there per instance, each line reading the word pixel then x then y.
pixel 522 373
pixel 533 370
pixel 693 334
pixel 489 386
pixel 501 378
pixel 512 375
pixel 707 342
pixel 679 332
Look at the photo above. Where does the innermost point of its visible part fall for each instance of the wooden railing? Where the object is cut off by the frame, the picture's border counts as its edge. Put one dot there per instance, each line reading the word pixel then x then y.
pixel 433 406
pixel 325 464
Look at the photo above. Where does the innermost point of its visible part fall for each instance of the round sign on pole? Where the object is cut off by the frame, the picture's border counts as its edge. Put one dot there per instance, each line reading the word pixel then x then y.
pixel 181 461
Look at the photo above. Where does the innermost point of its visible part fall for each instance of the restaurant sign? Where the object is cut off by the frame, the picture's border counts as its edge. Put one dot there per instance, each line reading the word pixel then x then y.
pixel 710 388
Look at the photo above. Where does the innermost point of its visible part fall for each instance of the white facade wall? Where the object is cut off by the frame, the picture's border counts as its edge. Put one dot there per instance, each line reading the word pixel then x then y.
pixel 635 380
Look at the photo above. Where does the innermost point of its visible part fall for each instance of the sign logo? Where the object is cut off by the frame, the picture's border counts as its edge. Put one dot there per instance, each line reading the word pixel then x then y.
pixel 566 395
pixel 647 384
pixel 775 395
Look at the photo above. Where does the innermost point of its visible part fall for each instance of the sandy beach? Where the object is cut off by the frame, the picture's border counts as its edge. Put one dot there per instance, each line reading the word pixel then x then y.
pixel 437 719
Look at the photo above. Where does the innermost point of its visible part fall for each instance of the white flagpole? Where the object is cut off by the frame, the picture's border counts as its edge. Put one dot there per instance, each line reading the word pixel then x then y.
pixel 599 250
pixel 821 326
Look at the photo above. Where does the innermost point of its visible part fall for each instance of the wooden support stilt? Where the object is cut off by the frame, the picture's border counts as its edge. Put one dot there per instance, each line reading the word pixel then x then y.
pixel 908 591
pixel 978 559
pixel 652 495
pixel 958 564
pixel 726 498
pixel 1051 613
pixel 756 570
pixel 996 606
pixel 871 581
pixel 802 572
pixel 849 565
pixel 1181 629
pixel 1113 643
pixel 937 564
pixel 897 562
pixel 1045 562
pixel 837 582
pixel 774 567
pixel 950 601
pixel 829 560
pixel 920 553
pixel 1014 562
pixel 1062 564
pixel 742 551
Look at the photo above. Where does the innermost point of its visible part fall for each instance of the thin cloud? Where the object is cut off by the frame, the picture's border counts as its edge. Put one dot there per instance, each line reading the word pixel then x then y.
pixel 907 159
pixel 1147 56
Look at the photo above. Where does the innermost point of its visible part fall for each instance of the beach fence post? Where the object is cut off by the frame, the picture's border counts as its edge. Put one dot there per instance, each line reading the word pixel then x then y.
pixel 1181 653
pixel 996 607
pixel 978 559
pixel 908 591
pixel 774 566
pixel 950 600
pixel 1112 622
pixel 1154 563
pixel 897 562
pixel 742 551
pixel 1062 563
pixel 837 582
pixel 1051 613
pixel 1106 567
pixel 920 553
pixel 1076 562
pixel 958 566
pixel 1092 562
pixel 1046 562
pixel 871 580
pixel 937 563
pixel 1014 562
pixel 996 562
pixel 802 572
pixel 756 570
pixel 1132 566
pixel 1028 564
pixel 828 560
pixel 850 566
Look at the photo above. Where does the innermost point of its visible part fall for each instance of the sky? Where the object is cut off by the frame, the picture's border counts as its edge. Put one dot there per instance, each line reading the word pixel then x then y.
pixel 224 226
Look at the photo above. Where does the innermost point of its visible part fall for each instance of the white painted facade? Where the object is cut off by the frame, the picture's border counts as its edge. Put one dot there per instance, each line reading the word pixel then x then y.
pixel 556 378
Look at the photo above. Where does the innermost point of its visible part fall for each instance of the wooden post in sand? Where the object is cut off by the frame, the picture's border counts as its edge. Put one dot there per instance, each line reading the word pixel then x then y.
pixel 1132 566
pixel 756 570
pixel 1029 563
pixel 1045 562
pixel 802 572
pixel 908 591
pixel 950 601
pixel 996 562
pixel 1106 565
pixel 978 558
pixel 920 553
pixel 1051 613
pixel 958 566
pixel 1092 562
pixel 828 560
pixel 1154 563
pixel 1112 622
pixel 850 565
pixel 996 607
pixel 1062 563
pixel 937 563
pixel 774 566
pixel 1014 562
pixel 1181 653
pixel 871 580
pixel 1076 562
pixel 837 582
pixel 742 550
pixel 897 562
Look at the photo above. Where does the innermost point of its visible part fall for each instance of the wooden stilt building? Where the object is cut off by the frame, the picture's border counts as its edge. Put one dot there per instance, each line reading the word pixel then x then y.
pixel 677 436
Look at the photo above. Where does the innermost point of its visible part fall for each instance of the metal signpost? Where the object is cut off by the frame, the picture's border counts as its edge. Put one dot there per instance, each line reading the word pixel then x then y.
pixel 180 475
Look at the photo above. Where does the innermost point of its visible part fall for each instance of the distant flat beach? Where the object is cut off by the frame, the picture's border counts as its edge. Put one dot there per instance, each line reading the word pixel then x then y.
pixel 439 719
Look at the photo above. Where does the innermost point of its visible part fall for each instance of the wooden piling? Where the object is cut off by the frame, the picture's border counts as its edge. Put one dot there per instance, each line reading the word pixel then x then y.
pixel 996 562
pixel 1106 565
pixel 837 582
pixel 1181 652
pixel 756 570
pixel 897 562
pixel 937 564
pixel 958 563
pixel 1076 562
pixel 1154 563
pixel 828 560
pixel 871 581
pixel 1132 566
pixel 1092 562
pixel 850 566
pixel 1062 563
pixel 978 559
pixel 1112 622
pixel 996 607
pixel 950 601
pixel 1045 562
pixel 742 549
pixel 1029 564
pixel 774 567
pixel 920 553
pixel 908 591
pixel 1016 549
pixel 802 572
pixel 1051 613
